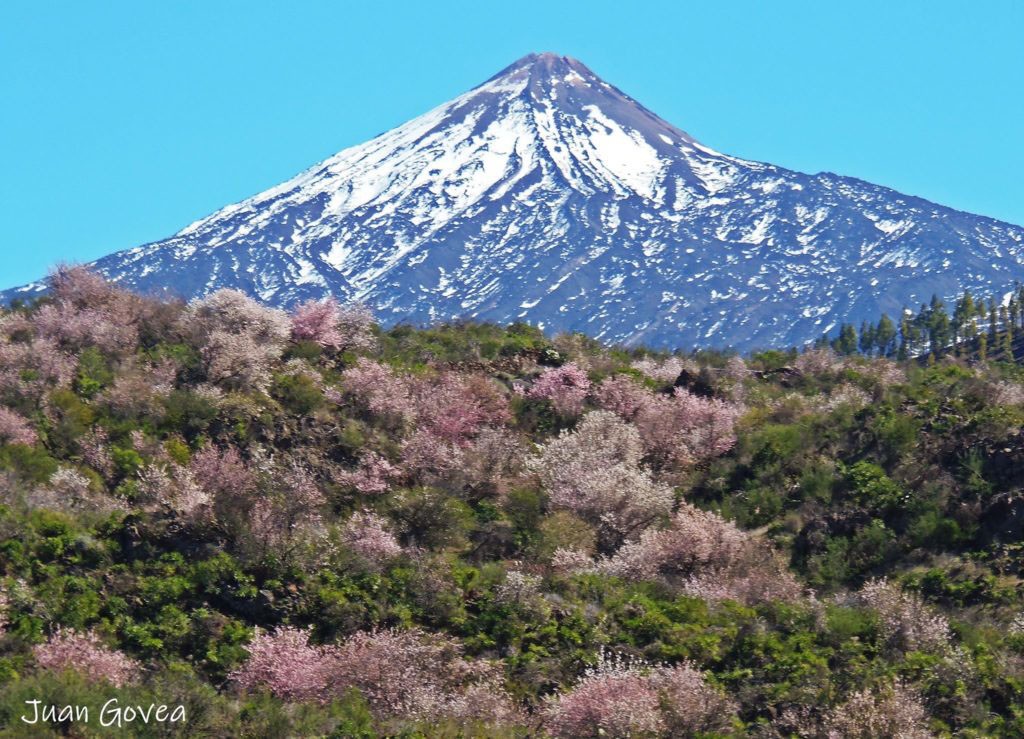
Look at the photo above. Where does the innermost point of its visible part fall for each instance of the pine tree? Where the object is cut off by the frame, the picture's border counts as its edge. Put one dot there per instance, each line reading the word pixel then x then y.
pixel 911 335
pixel 885 335
pixel 867 338
pixel 937 321
pixel 963 315
pixel 983 347
pixel 1007 336
pixel 846 342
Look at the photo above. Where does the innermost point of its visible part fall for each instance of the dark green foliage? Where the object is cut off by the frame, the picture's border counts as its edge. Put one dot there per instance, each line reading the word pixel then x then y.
pixel 189 413
pixel 298 393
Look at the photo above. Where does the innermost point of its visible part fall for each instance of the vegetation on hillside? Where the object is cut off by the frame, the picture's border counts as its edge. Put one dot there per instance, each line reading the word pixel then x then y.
pixel 304 525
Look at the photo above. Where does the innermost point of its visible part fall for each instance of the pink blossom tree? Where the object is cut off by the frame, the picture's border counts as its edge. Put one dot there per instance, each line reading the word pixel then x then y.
pixel 490 464
pixel 682 429
pixel 285 519
pixel 223 473
pixel 818 362
pixel 454 408
pixel 606 702
pixel 173 487
pixel 82 287
pixel 29 369
pixel 373 476
pixel 332 326
pixel 70 490
pixel 453 412
pixel 407 674
pixel 594 471
pixel 677 430
pixel 139 389
pixel 317 321
pixel 565 387
pixel 95 449
pixel 907 622
pixel 15 429
pixel 689 704
pixel 403 673
pixel 694 540
pixel 892 710
pixel 379 390
pixel 623 396
pixel 286 664
pixel 700 554
pixel 238 338
pixel 74 328
pixel 87 311
pixel 85 653
pixel 428 457
pixel 367 535
pixel 665 370
pixel 622 697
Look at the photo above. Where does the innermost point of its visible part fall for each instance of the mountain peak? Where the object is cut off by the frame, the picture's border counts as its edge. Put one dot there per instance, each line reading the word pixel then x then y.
pixel 547 195
pixel 540 73
pixel 543 62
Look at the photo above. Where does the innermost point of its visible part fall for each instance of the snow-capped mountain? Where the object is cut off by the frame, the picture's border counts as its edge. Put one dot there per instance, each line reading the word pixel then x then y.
pixel 547 195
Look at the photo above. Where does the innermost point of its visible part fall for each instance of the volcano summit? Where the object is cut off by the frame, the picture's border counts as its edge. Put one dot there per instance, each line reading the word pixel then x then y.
pixel 547 195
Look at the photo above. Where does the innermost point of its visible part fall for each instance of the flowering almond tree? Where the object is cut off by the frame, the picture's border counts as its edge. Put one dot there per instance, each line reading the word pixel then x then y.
pixel 333 326
pixel 367 535
pixel 678 430
pixel 892 710
pixel 238 338
pixel 595 472
pixel 85 653
pixel 407 674
pixel 908 623
pixel 621 697
pixel 14 429
pixel 565 387
pixel 286 664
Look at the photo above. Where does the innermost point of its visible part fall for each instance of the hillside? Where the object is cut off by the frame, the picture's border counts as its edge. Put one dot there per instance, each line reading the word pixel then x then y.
pixel 304 524
pixel 547 195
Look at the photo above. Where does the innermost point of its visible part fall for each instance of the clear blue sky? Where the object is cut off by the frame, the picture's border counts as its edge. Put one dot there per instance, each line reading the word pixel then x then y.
pixel 121 122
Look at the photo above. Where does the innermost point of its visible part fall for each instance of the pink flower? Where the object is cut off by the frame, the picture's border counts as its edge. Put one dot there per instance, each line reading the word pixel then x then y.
pixel 400 673
pixel 678 430
pixel 705 556
pixel 378 389
pixel 373 476
pixel 71 650
pixel 14 429
pixel 595 472
pixel 891 710
pixel 665 370
pixel 332 326
pixel 619 703
pixel 223 474
pixel 623 396
pixel 366 535
pixel 565 387
pixel 620 697
pixel 907 622
pixel 454 408
pixel 286 664
pixel 239 338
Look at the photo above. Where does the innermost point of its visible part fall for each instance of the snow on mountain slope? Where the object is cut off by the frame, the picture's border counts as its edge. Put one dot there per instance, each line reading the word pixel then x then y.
pixel 547 195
